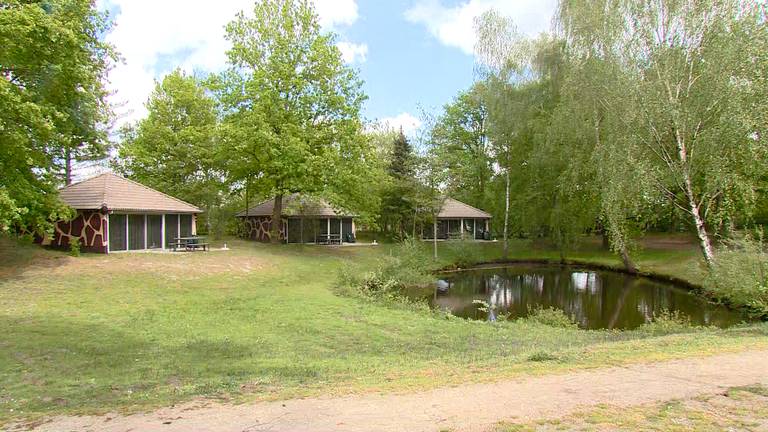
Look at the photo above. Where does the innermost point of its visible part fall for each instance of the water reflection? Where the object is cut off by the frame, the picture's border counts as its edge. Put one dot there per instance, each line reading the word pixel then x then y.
pixel 594 299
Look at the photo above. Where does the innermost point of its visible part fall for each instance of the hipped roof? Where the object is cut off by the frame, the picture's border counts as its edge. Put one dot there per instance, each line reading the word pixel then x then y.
pixel 117 193
pixel 457 209
pixel 295 205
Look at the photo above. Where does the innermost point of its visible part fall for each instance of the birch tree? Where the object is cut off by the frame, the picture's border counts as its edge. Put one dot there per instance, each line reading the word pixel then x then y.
pixel 688 65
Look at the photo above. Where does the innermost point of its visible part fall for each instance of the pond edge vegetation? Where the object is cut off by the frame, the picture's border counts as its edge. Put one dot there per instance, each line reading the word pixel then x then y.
pixel 408 267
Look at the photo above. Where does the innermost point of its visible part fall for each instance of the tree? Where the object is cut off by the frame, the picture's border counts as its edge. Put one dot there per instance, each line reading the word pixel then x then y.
pixel 174 148
pixel 689 65
pixel 521 91
pixel 460 140
pixel 53 107
pixel 400 193
pixel 292 107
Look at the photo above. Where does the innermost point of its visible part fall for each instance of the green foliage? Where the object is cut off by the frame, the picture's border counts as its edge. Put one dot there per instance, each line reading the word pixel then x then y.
pixel 667 323
pixel 463 253
pixel 407 266
pixel 740 274
pixel 677 72
pixel 53 108
pixel 459 140
pixel 74 248
pixel 399 201
pixel 292 108
pixel 542 356
pixel 174 149
pixel 551 317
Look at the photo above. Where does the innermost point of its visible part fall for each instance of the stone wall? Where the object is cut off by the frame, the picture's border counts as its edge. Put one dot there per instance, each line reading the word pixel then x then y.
pixel 257 228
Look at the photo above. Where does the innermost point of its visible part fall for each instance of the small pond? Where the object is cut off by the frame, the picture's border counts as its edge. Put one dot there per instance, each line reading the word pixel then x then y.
pixel 595 299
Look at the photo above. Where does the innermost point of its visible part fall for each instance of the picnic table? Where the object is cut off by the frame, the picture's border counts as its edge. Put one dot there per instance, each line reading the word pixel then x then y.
pixel 328 239
pixel 191 243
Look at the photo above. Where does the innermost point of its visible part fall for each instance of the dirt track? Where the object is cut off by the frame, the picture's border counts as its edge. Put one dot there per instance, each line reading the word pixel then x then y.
pixel 471 407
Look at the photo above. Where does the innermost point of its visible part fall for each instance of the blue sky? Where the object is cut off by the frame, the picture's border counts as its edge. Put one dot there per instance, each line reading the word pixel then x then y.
pixel 413 55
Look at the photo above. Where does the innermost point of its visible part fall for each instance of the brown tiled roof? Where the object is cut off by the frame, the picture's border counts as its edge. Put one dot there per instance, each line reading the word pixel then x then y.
pixel 294 205
pixel 457 209
pixel 119 193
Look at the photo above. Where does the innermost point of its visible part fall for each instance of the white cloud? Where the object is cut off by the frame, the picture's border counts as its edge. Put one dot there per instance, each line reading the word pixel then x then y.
pixel 405 121
pixel 336 12
pixel 352 52
pixel 154 37
pixel 454 25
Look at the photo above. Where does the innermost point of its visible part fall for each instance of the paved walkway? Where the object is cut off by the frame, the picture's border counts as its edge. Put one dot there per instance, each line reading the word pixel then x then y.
pixel 472 407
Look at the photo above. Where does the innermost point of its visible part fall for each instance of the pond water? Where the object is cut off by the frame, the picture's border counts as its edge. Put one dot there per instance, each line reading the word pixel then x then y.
pixel 594 299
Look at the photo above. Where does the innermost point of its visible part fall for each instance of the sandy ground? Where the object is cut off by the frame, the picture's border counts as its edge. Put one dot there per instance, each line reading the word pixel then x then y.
pixel 472 407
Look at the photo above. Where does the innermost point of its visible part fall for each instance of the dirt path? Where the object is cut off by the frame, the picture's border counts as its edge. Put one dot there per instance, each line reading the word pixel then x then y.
pixel 472 407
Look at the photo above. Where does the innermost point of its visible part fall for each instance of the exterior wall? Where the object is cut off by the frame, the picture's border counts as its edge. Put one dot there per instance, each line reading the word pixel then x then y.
pixel 257 228
pixel 444 231
pixel 89 228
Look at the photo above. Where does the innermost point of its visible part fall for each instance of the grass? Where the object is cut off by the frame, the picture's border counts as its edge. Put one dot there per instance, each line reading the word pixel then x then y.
pixel 739 408
pixel 139 330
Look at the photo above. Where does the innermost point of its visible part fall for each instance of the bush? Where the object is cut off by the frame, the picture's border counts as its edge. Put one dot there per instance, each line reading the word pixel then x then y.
pixel 74 248
pixel 740 275
pixel 667 322
pixel 550 316
pixel 463 253
pixel 408 266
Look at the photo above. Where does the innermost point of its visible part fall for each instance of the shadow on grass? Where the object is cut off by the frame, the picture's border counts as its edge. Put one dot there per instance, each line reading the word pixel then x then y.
pixel 66 365
pixel 19 255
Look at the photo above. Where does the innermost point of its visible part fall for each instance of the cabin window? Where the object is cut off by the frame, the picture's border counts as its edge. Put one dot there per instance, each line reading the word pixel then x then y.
pixel 136 232
pixel 154 231
pixel 117 239
pixel 185 225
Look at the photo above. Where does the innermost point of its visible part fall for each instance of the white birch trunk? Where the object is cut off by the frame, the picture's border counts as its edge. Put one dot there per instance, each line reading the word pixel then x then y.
pixel 506 216
pixel 701 229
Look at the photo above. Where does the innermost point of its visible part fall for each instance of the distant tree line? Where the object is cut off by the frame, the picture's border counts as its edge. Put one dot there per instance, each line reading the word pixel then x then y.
pixel 626 117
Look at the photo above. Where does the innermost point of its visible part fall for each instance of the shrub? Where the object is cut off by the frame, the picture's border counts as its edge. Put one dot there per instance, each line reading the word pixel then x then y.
pixel 550 316
pixel 542 356
pixel 740 274
pixel 74 248
pixel 667 322
pixel 408 266
pixel 464 253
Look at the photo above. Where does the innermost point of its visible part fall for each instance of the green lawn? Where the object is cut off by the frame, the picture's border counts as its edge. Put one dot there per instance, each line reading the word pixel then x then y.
pixel 133 331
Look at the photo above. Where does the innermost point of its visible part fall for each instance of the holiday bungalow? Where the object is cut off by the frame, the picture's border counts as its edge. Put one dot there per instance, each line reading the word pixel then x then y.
pixel 457 220
pixel 304 220
pixel 117 214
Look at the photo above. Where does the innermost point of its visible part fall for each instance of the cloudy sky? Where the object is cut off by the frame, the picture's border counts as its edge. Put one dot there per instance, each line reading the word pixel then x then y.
pixel 412 54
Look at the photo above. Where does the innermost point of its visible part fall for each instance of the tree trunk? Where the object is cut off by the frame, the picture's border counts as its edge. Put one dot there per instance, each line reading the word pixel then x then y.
pixel 434 237
pixel 606 238
pixel 629 265
pixel 701 229
pixel 277 219
pixel 68 167
pixel 506 217
pixel 701 232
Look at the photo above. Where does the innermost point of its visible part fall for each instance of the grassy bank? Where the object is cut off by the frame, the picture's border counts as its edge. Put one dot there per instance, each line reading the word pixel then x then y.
pixel 138 330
